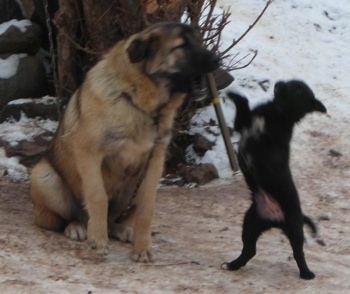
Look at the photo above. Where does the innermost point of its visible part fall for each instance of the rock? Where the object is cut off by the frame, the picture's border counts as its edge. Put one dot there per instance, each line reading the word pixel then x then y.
pixel 321 242
pixel 20 37
pixel 201 144
pixel 29 152
pixel 28 81
pixel 47 109
pixel 324 218
pixel 201 174
pixel 222 78
pixel 10 9
pixel 335 153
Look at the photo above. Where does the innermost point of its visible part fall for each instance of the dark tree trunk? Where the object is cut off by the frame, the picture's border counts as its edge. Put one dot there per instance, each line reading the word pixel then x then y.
pixel 66 51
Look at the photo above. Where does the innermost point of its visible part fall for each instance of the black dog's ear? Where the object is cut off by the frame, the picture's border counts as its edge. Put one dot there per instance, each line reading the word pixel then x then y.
pixel 140 49
pixel 280 88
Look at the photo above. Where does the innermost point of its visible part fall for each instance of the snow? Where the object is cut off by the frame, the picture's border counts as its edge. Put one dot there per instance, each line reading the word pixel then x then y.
pixel 46 100
pixel 9 65
pixel 20 24
pixel 14 169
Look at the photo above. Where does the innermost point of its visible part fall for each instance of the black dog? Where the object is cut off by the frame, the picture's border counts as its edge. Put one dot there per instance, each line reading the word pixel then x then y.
pixel 264 160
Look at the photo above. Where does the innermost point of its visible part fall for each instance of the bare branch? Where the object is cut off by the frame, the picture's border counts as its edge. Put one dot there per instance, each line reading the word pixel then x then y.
pixel 255 52
pixel 235 42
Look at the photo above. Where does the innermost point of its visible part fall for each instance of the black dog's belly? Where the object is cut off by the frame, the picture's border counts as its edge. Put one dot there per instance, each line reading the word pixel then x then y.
pixel 267 207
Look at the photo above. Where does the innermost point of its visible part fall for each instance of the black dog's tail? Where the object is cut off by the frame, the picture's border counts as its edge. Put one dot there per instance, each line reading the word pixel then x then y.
pixel 308 221
pixel 243 115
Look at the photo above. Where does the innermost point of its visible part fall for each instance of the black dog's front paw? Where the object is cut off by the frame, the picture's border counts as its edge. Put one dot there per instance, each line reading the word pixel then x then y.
pixel 232 266
pixel 307 275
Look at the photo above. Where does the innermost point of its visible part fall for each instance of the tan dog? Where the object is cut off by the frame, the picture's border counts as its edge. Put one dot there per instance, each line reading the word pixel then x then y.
pixel 101 174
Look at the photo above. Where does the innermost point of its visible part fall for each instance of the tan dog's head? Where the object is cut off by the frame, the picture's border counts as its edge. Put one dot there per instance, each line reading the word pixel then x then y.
pixel 173 51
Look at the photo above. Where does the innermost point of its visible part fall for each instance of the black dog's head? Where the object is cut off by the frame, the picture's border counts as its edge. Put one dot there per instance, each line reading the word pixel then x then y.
pixel 172 51
pixel 295 99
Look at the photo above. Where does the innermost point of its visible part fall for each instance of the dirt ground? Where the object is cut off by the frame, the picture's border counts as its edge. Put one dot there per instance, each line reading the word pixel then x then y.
pixel 195 230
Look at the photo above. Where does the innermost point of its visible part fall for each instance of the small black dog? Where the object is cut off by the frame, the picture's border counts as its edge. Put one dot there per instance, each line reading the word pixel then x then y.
pixel 264 160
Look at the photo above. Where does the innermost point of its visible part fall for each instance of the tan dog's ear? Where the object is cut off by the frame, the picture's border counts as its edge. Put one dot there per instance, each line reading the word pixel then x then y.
pixel 140 48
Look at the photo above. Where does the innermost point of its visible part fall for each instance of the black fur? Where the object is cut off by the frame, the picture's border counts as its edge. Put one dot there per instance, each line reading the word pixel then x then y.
pixel 264 160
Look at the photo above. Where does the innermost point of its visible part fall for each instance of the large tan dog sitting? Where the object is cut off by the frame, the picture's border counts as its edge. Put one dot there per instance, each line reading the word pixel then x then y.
pixel 101 175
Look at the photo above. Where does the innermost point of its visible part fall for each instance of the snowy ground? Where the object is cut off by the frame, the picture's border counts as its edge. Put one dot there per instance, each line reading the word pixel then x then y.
pixel 197 229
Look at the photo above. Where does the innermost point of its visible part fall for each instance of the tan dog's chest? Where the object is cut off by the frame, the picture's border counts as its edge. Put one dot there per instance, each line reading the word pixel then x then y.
pixel 125 162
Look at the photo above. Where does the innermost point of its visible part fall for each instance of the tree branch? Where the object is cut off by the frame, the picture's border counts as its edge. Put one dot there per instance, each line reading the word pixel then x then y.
pixel 235 42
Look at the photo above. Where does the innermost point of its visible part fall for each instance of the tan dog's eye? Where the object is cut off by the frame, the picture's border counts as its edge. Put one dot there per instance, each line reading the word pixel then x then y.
pixel 181 46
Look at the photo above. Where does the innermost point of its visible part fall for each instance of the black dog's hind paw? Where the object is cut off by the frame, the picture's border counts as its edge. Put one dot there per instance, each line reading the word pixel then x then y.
pixel 308 275
pixel 231 266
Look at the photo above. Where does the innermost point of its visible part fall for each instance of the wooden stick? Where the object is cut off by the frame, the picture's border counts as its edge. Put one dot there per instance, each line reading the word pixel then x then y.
pixel 224 130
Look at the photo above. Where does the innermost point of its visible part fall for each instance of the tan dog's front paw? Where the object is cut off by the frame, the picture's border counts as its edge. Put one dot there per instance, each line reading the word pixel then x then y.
pixel 75 231
pixel 141 251
pixel 101 247
pixel 142 256
pixel 98 239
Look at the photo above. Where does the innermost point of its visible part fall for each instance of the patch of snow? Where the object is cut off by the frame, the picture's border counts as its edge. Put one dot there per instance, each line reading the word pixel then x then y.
pixel 9 65
pixel 25 129
pixel 46 100
pixel 20 24
pixel 12 166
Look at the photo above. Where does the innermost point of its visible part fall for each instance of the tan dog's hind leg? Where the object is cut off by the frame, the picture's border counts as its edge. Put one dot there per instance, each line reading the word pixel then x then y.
pixel 51 198
pixel 53 204
pixel 123 231
pixel 75 231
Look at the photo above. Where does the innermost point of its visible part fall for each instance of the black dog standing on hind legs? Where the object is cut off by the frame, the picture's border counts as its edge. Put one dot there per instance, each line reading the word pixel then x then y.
pixel 264 160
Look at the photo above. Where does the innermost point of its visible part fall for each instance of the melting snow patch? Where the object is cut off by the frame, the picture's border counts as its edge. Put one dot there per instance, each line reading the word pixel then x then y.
pixel 20 24
pixel 8 66
pixel 12 166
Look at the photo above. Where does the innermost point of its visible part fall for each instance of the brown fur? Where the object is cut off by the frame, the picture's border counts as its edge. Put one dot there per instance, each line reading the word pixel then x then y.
pixel 109 150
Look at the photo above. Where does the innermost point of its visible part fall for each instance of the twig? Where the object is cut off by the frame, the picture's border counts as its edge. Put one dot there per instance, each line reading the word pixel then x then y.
pixel 211 4
pixel 255 52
